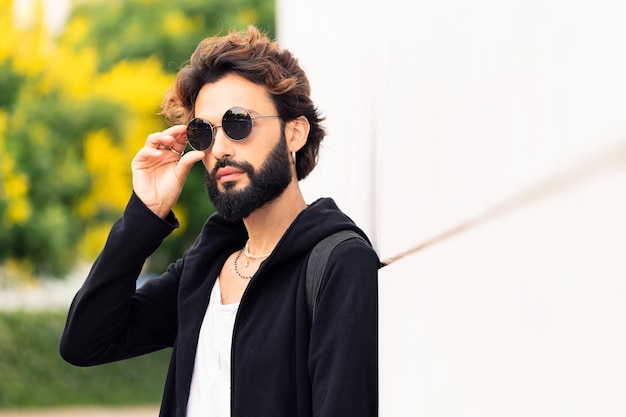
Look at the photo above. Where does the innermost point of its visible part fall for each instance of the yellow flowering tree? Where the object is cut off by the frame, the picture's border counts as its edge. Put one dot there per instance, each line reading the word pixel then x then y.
pixel 75 108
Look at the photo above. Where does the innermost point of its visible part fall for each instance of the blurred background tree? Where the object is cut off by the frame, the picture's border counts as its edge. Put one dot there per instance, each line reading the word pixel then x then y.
pixel 76 107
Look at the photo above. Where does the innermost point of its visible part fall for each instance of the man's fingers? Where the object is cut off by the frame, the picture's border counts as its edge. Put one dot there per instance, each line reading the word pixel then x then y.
pixel 146 158
pixel 188 160
pixel 175 131
pixel 158 139
pixel 175 152
pixel 173 138
pixel 179 135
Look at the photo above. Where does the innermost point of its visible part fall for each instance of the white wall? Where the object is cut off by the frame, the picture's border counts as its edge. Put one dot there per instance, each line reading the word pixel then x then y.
pixel 55 13
pixel 439 111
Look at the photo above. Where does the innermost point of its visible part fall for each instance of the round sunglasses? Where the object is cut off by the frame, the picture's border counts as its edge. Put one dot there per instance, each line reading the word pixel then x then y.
pixel 236 123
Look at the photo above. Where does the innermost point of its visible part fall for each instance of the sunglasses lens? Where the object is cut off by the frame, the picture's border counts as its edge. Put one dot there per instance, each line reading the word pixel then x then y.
pixel 237 123
pixel 199 134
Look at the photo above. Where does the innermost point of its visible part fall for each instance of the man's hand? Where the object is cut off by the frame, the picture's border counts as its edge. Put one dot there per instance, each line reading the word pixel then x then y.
pixel 159 171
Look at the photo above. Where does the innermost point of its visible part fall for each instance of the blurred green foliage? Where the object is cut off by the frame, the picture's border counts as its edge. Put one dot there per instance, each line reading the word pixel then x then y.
pixel 34 375
pixel 169 30
pixel 76 107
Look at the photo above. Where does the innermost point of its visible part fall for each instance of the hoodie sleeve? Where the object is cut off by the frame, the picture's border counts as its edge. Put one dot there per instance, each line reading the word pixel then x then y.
pixel 343 359
pixel 108 319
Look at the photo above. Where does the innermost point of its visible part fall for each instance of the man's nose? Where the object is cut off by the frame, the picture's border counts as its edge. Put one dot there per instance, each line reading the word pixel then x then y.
pixel 222 147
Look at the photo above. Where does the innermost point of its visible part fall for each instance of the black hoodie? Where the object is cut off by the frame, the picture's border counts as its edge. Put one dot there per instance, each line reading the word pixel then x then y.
pixel 281 366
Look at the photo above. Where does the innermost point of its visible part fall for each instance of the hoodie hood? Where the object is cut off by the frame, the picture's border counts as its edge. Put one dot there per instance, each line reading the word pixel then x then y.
pixel 320 219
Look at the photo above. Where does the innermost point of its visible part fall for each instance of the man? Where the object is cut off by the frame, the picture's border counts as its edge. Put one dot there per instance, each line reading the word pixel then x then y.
pixel 234 306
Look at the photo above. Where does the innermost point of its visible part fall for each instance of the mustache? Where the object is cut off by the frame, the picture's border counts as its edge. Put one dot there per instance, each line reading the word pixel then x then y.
pixel 227 162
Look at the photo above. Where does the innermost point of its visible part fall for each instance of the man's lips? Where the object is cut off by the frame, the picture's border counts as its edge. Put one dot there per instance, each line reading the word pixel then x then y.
pixel 227 174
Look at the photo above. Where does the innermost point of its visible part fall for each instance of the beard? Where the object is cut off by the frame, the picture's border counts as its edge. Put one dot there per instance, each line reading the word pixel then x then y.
pixel 265 185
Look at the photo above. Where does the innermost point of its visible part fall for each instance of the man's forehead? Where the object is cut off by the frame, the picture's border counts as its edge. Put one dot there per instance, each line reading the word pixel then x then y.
pixel 215 98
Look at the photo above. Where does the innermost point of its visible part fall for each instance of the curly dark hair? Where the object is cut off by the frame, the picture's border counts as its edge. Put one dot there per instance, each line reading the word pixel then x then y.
pixel 252 55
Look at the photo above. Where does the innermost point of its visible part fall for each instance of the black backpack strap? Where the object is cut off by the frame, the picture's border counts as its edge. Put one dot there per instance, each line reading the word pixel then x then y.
pixel 316 265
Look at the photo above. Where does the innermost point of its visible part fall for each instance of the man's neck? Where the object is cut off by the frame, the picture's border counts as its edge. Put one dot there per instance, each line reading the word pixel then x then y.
pixel 267 224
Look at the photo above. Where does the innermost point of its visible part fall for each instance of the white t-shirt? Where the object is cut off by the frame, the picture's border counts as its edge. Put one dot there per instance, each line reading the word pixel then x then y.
pixel 209 395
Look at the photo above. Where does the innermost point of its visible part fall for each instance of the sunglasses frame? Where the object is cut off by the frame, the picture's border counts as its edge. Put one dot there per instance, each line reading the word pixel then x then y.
pixel 234 110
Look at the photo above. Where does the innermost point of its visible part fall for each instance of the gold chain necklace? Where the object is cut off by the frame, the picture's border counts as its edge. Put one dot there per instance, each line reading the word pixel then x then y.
pixel 247 263
pixel 250 256
pixel 237 270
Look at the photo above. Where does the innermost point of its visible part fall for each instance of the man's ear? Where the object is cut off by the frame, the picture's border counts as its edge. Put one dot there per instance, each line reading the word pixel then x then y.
pixel 297 132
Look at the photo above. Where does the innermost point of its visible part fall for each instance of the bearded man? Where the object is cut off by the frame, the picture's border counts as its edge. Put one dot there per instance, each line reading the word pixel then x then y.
pixel 234 306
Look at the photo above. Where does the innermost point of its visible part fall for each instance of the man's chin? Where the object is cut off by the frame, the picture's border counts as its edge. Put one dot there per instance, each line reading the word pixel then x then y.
pixel 234 213
pixel 229 218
